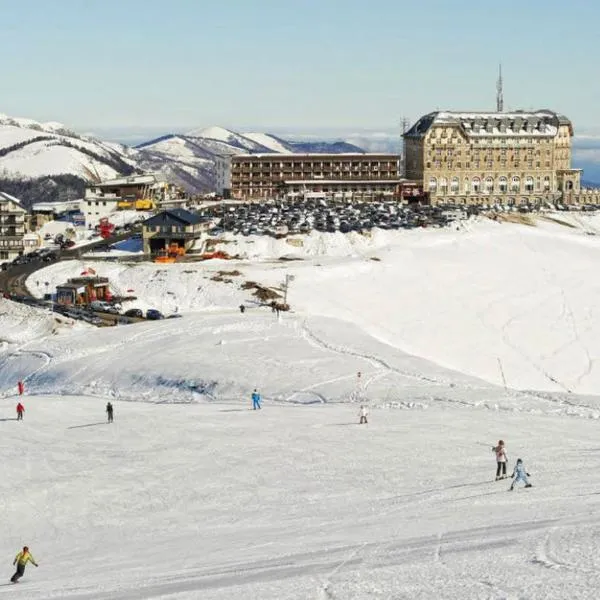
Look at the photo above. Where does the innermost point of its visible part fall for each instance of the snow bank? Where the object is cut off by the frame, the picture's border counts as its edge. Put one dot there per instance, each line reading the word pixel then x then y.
pixel 20 324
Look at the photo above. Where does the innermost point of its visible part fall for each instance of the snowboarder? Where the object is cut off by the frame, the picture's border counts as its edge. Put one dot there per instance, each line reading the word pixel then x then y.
pixel 242 308
pixel 501 460
pixel 363 415
pixel 109 412
pixel 21 387
pixel 21 559
pixel 20 411
pixel 520 474
pixel 255 400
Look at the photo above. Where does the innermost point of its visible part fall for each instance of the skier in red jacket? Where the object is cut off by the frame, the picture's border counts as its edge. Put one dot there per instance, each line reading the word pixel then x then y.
pixel 20 411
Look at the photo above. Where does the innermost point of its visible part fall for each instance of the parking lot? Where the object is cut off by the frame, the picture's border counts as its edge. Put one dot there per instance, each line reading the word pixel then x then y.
pixel 301 216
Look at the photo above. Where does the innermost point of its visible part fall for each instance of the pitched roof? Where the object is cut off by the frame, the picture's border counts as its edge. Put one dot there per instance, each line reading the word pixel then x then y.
pixel 4 197
pixel 541 123
pixel 173 216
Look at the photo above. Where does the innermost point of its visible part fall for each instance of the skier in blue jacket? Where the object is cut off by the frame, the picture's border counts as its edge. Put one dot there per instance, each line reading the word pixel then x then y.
pixel 520 474
pixel 255 400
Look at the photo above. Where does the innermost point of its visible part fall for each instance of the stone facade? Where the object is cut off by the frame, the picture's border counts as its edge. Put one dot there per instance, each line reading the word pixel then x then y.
pixel 493 158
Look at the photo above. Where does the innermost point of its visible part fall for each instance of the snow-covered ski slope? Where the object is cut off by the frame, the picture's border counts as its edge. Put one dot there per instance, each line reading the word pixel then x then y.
pixel 503 302
pixel 190 494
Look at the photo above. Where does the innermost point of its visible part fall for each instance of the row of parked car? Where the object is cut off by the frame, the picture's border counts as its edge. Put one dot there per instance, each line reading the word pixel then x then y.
pixel 114 308
pixel 303 216
pixel 40 255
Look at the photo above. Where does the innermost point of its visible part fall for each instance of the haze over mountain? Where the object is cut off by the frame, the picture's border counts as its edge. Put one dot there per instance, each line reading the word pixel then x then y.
pixel 44 161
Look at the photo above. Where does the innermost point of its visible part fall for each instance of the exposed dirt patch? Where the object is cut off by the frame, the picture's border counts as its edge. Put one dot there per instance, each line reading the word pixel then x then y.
pixel 263 293
pixel 558 221
pixel 516 218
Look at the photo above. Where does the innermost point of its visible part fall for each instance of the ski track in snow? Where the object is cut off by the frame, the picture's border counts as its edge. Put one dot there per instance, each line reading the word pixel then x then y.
pixel 326 564
pixel 192 495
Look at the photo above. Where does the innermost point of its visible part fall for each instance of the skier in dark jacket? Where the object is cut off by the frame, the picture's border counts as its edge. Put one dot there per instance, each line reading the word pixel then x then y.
pixel 109 412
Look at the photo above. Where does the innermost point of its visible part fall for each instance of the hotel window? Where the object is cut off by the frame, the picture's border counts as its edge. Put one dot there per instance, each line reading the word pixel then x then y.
pixel 529 184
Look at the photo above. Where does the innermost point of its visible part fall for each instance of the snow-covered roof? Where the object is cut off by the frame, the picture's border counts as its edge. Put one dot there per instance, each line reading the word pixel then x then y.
pixel 132 180
pixel 55 207
pixel 542 123
pixel 4 197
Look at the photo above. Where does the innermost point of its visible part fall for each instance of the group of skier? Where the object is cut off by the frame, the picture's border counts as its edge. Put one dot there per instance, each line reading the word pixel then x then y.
pixel 519 473
pixel 24 556
pixel 109 412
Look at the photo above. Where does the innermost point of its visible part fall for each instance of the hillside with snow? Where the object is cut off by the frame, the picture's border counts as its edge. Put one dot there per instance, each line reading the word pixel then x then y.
pixel 451 338
pixel 29 149
pixel 48 161
pixel 498 301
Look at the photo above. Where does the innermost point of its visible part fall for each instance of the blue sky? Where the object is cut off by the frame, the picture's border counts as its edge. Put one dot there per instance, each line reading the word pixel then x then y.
pixel 292 64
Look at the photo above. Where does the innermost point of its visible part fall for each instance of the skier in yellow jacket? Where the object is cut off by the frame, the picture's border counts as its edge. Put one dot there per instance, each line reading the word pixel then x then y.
pixel 21 560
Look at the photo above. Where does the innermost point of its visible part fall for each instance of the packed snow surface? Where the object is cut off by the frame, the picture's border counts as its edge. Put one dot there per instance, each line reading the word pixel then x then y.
pixel 191 494
pixel 504 302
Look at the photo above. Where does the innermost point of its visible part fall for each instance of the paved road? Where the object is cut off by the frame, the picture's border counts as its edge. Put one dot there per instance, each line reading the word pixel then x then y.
pixel 13 280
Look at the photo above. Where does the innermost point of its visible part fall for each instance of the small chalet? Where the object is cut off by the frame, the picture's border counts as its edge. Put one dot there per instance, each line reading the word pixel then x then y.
pixel 171 228
pixel 83 290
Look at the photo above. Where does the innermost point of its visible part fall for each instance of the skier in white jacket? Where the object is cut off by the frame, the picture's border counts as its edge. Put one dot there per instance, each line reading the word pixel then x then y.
pixel 520 474
pixel 363 413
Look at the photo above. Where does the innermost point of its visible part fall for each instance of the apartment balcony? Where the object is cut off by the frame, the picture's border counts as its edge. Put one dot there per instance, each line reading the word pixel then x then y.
pixel 11 241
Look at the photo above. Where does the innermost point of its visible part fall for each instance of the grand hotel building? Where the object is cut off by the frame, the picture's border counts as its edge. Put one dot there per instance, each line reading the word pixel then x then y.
pixel 492 157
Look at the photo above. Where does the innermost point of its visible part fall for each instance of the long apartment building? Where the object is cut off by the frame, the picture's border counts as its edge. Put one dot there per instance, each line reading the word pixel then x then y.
pixel 12 227
pixel 361 175
pixel 492 157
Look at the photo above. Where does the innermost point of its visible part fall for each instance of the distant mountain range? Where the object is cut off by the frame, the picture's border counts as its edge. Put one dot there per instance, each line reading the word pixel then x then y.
pixel 45 161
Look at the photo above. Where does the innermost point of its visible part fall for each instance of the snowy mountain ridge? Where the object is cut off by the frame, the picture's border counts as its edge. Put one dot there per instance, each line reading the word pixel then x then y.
pixel 39 161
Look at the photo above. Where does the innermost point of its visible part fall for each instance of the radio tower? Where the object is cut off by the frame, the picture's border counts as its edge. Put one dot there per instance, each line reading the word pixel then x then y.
pixel 404 124
pixel 499 92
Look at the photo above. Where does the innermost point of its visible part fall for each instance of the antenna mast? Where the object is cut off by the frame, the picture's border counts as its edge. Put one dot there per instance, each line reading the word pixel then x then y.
pixel 499 91
pixel 404 124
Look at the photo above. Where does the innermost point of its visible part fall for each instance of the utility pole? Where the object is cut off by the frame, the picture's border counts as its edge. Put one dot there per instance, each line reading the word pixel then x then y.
pixel 286 285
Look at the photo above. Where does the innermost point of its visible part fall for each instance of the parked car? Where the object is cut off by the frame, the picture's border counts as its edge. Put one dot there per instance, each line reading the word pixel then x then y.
pixel 154 315
pixel 102 306
pixel 135 313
